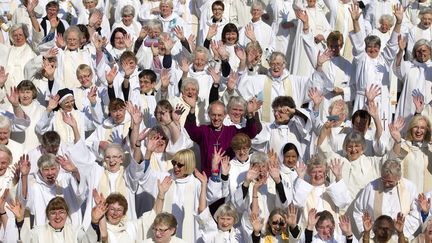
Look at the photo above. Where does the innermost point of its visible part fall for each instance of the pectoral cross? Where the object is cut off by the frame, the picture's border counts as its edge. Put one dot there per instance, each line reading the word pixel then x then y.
pixel 384 119
pixel 217 144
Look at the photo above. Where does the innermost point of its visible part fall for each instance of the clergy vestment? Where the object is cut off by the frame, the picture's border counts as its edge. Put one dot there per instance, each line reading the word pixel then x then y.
pixel 376 9
pixel 17 57
pixel 417 164
pixel 357 173
pixel 70 233
pixel 415 75
pixel 204 28
pixel 174 239
pixel 181 199
pixel 133 29
pixel 208 138
pixel 68 62
pixel 378 201
pixel 415 34
pixel 333 198
pixel 373 71
pixel 412 11
pixel 170 22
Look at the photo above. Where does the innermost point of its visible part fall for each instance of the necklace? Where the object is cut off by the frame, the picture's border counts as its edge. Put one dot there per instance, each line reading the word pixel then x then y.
pixel 217 144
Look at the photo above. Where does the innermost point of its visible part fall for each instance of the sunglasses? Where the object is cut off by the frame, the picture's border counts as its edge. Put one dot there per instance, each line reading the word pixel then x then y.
pixel 280 223
pixel 175 163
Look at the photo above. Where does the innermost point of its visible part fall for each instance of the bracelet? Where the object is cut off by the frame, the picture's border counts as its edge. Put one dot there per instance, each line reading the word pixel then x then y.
pixel 254 196
pixel 136 145
pixel 398 142
pixel 160 198
pixel 1 214
pixel 349 236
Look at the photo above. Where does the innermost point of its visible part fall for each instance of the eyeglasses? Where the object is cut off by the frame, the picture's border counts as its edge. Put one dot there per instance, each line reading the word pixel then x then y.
pixel 218 9
pixel 280 223
pixel 116 210
pixel 244 150
pixel 57 213
pixel 160 230
pixel 113 157
pixel 175 163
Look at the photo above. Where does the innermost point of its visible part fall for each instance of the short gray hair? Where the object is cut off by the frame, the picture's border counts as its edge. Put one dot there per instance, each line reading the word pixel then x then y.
pixel 354 137
pixel 237 100
pixel 372 40
pixel 128 10
pixel 16 27
pixel 6 150
pixel 47 161
pixel 188 81
pixel 5 122
pixel 154 23
pixel 391 167
pixel 388 18
pixel 418 44
pixel 258 158
pixel 201 49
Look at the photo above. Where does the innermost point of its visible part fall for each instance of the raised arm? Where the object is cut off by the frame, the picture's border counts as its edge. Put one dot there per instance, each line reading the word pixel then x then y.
pixel 371 93
pixel 163 187
pixel 395 129
pixel 202 177
pixel 67 165
pixel 355 16
pixel 367 226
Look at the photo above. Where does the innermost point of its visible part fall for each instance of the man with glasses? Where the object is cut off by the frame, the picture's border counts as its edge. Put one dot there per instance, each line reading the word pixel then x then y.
pixel 389 195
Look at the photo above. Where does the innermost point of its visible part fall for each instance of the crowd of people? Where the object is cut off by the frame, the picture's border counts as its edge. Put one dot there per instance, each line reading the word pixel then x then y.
pixel 215 121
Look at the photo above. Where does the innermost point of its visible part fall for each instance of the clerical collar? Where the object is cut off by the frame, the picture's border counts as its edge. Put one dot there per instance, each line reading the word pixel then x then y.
pixel 216 21
pixel 56 230
pixel 152 93
pixel 216 129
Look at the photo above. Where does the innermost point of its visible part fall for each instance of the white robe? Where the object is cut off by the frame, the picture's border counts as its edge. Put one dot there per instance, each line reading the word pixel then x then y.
pixel 378 8
pixel 133 230
pixel 70 233
pixel 263 34
pixel 391 206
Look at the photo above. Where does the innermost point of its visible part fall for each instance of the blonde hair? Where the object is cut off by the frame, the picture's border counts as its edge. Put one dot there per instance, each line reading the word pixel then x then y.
pixel 187 157
pixel 414 121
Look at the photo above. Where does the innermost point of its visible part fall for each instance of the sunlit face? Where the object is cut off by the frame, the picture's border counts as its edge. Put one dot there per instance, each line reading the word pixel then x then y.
pixel 335 47
pixel 280 116
pixel 4 135
pixel 113 159
pixel 118 115
pixel 354 151
pixel 162 233
pixel 49 174
pixel 242 154
pixel 217 115
pixel 231 38
pixel 317 175
pixel 256 12
pixel 127 19
pixel 311 3
pixel 373 50
pixel 146 85
pixel 18 37
pixel 383 231
pixel 262 171
pixel 277 224
pixel 426 20
pixel 85 79
pixel 190 90
pixel 423 54
pixel 418 132
pixel 68 104
pixel 200 61
pixel 225 223
pixel 277 66
pixel 25 97
pixel 4 162
pixel 119 42
pixel 325 230
pixel 179 169
pixel 385 26
pixel 290 158
pixel 428 231
pixel 166 10
pixel 154 32
pixel 52 12
pixel 217 12
pixel 389 181
pixel 73 40
pixel 236 113
pixel 90 4
pixel 57 218
pixel 115 213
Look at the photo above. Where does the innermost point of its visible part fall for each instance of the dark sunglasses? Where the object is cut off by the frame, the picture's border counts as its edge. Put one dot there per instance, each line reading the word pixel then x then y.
pixel 281 223
pixel 175 163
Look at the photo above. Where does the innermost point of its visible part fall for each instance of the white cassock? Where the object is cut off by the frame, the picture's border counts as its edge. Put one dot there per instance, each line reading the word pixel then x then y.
pixel 357 173
pixel 416 164
pixel 17 150
pixel 378 8
pixel 274 136
pixel 39 194
pixel 70 233
pixel 145 10
pixel 83 18
pixel 132 230
pixel 133 29
pixel 53 121
pixel 118 5
pixel 204 28
pixel 412 11
pixel 170 22
pixel 147 104
pixel 377 202
pixel 301 63
pixel 29 138
pixel 68 62
pixel 268 88
pixel 375 71
pixel 340 20
pixel 17 57
pixel 8 233
pixel 240 14
pixel 92 113
pixel 35 153
pixel 111 132
pixel 415 75
pixel 181 199
pixel 233 60
pixel 415 34
pixel 333 198
pixel 210 232
pixel 282 12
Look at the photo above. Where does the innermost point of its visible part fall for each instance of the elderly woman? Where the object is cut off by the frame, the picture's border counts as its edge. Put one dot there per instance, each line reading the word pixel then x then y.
pixel 57 229
pixel 422 30
pixel 415 150
pixel 86 8
pixel 164 228
pixel 129 22
pixel 27 97
pixel 413 73
pixel 280 227
pixel 171 19
pixel 148 36
pixel 386 22
pixel 183 196
pixel 316 194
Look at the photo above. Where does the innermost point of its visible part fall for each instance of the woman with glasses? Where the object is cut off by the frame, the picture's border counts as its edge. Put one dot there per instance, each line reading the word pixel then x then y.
pixel 164 228
pixel 56 230
pixel 183 196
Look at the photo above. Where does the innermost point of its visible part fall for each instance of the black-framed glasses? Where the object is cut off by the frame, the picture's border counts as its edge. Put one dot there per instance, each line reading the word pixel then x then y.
pixel 175 163
pixel 160 230
pixel 280 223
